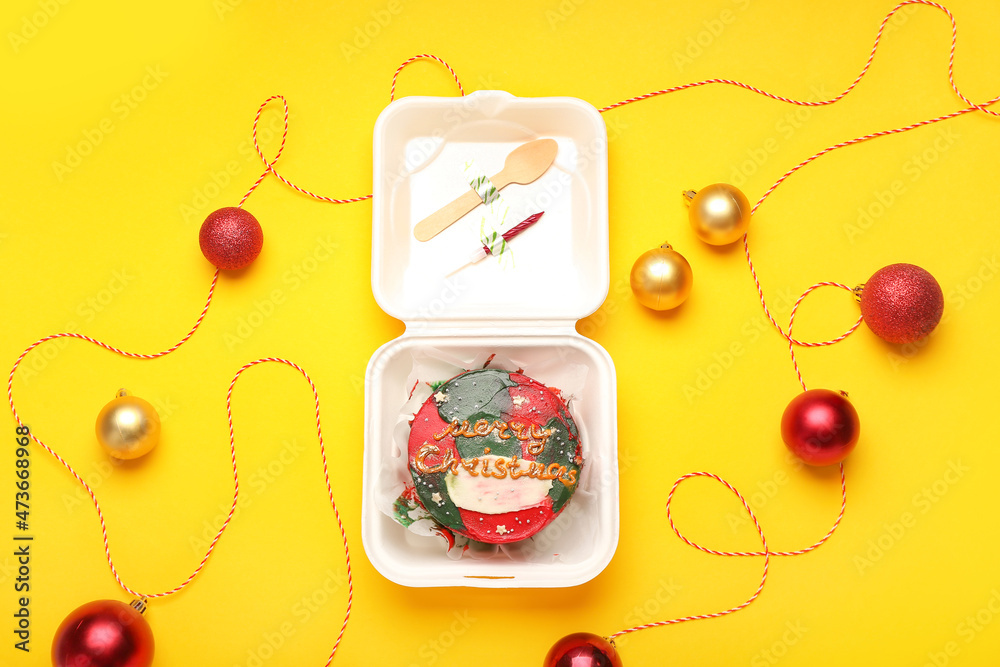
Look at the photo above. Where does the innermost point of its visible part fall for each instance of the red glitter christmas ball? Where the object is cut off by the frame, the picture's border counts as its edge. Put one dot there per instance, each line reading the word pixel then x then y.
pixel 230 238
pixel 902 303
pixel 820 427
pixel 104 633
pixel 583 649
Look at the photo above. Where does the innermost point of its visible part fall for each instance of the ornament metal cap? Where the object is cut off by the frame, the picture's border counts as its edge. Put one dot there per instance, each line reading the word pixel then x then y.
pixel 857 292
pixel 688 196
pixel 139 604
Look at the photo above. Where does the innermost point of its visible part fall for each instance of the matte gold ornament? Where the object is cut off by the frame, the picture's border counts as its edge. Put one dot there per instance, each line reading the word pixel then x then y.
pixel 661 278
pixel 128 427
pixel 719 213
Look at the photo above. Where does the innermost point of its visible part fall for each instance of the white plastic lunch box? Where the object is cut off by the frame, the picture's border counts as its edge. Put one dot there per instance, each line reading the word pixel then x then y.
pixel 523 307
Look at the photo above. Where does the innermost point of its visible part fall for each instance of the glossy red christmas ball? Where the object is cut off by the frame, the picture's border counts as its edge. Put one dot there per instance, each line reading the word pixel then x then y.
pixel 230 238
pixel 820 426
pixel 902 303
pixel 582 649
pixel 105 633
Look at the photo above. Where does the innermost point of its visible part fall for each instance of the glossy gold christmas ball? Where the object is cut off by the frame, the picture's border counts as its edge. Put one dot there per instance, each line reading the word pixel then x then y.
pixel 719 213
pixel 661 278
pixel 128 427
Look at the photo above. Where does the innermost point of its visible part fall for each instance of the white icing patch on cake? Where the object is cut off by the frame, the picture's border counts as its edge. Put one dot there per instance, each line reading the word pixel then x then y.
pixel 488 495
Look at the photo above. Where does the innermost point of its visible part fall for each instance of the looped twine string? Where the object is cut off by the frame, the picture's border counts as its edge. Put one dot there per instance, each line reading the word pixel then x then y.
pixel 269 164
pixel 792 342
pixel 760 533
pixel 765 552
pixel 791 323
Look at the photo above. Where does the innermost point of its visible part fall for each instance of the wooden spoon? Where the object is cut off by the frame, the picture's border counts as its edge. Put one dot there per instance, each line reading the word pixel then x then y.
pixel 524 164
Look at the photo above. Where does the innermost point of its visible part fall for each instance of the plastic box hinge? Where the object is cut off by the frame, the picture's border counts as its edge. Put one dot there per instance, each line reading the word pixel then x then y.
pixel 492 328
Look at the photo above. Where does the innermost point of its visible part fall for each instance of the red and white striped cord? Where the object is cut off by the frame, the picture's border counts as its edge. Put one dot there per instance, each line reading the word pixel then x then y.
pixel 766 552
pixel 791 322
pixel 828 149
pixel 269 164
pixel 423 56
pixel 792 342
pixel 76 475
pixel 326 478
pixel 232 450
pixel 972 106
pixel 837 98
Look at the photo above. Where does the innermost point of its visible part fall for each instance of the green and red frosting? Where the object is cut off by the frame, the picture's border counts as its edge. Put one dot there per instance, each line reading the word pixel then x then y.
pixel 498 403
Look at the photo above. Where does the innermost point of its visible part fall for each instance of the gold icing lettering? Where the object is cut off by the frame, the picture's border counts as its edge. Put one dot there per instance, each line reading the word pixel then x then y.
pixel 422 454
pixel 502 467
pixel 533 434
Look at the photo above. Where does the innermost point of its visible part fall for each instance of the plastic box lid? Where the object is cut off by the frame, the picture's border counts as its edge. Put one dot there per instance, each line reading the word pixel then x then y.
pixel 556 271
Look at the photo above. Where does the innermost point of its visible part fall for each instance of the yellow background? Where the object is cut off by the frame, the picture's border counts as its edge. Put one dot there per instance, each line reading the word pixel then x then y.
pixel 877 593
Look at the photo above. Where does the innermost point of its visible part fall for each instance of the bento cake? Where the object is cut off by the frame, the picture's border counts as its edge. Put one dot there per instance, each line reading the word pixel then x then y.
pixel 495 455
